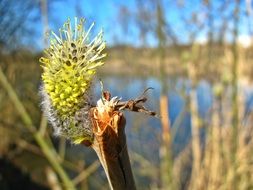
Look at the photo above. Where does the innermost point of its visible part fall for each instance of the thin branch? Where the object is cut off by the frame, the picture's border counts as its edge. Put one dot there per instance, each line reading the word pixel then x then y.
pixel 86 173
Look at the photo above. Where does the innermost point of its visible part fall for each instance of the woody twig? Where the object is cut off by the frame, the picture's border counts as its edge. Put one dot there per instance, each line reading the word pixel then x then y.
pixel 110 139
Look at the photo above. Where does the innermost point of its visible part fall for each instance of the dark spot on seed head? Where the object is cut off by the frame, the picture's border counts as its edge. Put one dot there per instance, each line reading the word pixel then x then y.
pixel 96 48
pixel 74 52
pixel 75 59
pixel 68 63
pixel 73 45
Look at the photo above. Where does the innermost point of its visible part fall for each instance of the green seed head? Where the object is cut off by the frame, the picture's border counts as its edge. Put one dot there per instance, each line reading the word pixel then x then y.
pixel 68 68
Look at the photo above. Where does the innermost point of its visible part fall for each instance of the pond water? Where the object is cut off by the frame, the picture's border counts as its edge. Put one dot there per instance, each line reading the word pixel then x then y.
pixel 143 131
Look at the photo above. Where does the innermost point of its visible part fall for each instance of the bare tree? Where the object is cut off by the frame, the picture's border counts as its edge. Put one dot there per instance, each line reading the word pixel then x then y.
pixel 16 18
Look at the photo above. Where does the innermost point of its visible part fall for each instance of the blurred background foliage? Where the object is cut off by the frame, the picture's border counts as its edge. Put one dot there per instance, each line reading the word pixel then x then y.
pixel 196 54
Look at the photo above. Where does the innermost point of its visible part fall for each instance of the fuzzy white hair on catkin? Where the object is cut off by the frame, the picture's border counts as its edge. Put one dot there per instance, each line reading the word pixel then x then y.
pixel 61 127
pixel 49 111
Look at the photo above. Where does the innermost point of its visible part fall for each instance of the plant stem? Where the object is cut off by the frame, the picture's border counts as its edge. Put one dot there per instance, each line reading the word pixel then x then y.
pixel 17 103
pixel 86 173
pixel 46 149
pixel 51 157
pixel 235 111
pixel 110 146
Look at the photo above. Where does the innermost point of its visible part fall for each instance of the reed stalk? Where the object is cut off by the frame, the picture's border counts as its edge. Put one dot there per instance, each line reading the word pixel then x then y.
pixel 166 166
pixel 235 115
pixel 195 120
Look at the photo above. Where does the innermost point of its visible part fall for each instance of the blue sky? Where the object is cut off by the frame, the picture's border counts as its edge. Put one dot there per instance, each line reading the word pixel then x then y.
pixel 105 13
